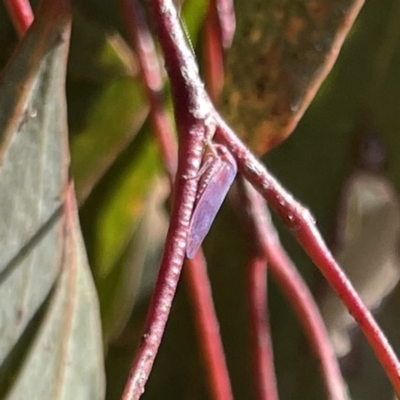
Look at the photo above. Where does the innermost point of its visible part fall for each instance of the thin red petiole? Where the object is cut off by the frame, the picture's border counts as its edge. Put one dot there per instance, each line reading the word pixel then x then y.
pixel 263 357
pixel 213 53
pixel 226 20
pixel 283 271
pixel 150 71
pixel 21 15
pixel 208 328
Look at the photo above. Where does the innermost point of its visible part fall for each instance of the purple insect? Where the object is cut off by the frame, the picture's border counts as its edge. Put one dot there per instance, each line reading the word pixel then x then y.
pixel 217 175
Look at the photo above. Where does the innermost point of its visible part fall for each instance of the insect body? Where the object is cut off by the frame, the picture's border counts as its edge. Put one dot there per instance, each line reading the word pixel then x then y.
pixel 219 171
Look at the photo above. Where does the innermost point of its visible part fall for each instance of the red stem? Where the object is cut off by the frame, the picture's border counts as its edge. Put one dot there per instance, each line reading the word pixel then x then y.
pixel 302 225
pixel 213 53
pixel 208 328
pixel 150 72
pixel 297 293
pixel 21 15
pixel 226 19
pixel 295 289
pixel 168 277
pixel 263 357
pixel 214 70
pixel 200 291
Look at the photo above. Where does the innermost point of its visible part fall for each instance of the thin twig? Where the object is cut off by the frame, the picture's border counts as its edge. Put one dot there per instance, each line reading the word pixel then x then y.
pixel 226 20
pixel 301 224
pixel 213 53
pixel 21 15
pixel 263 358
pixel 151 76
pixel 257 272
pixel 208 328
pixel 295 289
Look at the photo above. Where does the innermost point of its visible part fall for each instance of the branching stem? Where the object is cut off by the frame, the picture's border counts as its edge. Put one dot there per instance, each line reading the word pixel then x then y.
pixel 196 117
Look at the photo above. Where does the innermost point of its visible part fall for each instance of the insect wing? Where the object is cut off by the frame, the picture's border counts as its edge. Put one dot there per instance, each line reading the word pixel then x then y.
pixel 213 192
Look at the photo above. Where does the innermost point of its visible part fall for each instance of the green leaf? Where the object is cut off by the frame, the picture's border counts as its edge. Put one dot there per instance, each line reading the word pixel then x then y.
pixel 120 214
pixel 134 274
pixel 42 268
pixel 65 360
pixel 193 13
pixel 118 108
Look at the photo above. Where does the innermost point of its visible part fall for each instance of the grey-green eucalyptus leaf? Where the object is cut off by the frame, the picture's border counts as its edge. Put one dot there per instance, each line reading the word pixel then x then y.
pixel 50 340
pixel 65 360
pixel 33 176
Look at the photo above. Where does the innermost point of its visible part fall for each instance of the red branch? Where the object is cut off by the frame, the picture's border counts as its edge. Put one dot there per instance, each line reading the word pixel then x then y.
pixel 226 20
pixel 150 72
pixel 295 289
pixel 219 29
pixel 192 110
pixel 263 357
pixel 208 328
pixel 21 15
pixel 301 224
pixel 213 53
pixel 171 265
pixel 199 288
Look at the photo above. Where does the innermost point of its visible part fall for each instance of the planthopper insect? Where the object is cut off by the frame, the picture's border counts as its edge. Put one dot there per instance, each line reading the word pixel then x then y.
pixel 218 172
